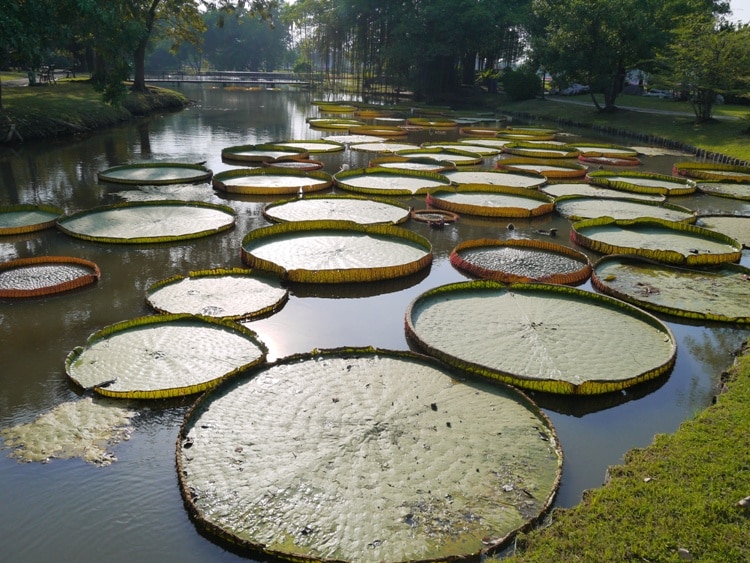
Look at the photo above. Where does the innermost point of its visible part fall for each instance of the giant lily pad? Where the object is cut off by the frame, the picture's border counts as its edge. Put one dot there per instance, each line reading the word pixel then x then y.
pixel 156 173
pixel 25 218
pixel 491 201
pixel 313 146
pixel 577 208
pixel 148 221
pixel 457 156
pixel 587 190
pixel 552 338
pixel 262 153
pixel 424 164
pixel 329 123
pixel 541 150
pixel 390 181
pixel 365 455
pixel 496 178
pixel 643 182
pixel 491 142
pixel 481 150
pixel 665 241
pixel 230 294
pixel 605 150
pixel 385 147
pixel 548 168
pixel 271 181
pixel 521 260
pixel 734 226
pixel 732 190
pixel 713 172
pixel 716 294
pixel 433 122
pixel 365 211
pixel 44 275
pixel 162 356
pixel 336 251
pixel 379 131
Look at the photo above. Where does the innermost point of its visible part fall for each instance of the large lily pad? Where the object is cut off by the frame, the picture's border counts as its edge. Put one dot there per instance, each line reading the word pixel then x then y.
pixel 385 147
pixel 716 294
pixel 713 172
pixel 379 131
pixel 230 294
pixel 365 455
pixel 492 201
pixel 643 182
pixel 732 190
pixel 587 190
pixel 577 208
pixel 481 150
pixel 734 226
pixel 336 251
pixel 312 146
pixel 26 218
pixel 665 241
pixel 148 221
pixel 527 180
pixel 156 173
pixel 552 338
pixel 365 211
pixel 457 156
pixel 424 164
pixel 541 150
pixel 45 275
pixel 162 356
pixel 548 168
pixel 271 181
pixel 390 181
pixel 521 260
pixel 604 150
pixel 262 153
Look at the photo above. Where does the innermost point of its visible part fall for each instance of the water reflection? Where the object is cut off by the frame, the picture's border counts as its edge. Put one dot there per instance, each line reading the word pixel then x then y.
pixel 133 509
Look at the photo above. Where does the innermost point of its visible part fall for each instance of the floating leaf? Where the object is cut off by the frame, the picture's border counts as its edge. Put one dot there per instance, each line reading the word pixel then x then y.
pixel 365 455
pixel 162 356
pixel 587 190
pixel 716 294
pixel 731 190
pixel 389 181
pixel 365 211
pixel 541 150
pixel 262 153
pixel 524 334
pixel 491 201
pixel 271 181
pixel 424 164
pixel 496 178
pixel 387 147
pixel 643 182
pixel 464 146
pixel 229 294
pixel 148 221
pixel 379 130
pixel 336 251
pixel 548 168
pixel 25 218
pixel 713 172
pixel 156 173
pixel 45 275
pixel 457 156
pixel 664 241
pixel 521 260
pixel 734 226
pixel 313 146
pixel 605 150
pixel 577 208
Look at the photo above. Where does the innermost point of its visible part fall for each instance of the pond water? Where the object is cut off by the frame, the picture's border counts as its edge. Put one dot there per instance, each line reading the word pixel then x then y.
pixel 131 509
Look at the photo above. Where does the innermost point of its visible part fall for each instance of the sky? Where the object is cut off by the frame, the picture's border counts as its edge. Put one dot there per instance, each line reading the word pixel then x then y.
pixel 740 10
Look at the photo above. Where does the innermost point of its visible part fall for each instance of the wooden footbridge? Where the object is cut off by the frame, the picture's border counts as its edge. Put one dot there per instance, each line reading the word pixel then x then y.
pixel 238 78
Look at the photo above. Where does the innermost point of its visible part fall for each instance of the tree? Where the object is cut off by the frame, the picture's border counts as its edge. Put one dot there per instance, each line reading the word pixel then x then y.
pixel 709 57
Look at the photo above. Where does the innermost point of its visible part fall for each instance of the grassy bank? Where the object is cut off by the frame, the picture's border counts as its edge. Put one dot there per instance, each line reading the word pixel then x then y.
pixel 679 499
pixel 639 118
pixel 72 107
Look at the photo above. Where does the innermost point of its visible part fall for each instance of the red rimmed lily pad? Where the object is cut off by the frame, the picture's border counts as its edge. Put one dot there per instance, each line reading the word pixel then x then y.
pixel 45 275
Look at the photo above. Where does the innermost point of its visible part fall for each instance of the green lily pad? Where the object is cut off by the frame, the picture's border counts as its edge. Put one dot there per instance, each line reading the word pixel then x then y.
pixel 313 146
pixel 665 241
pixel 713 172
pixel 643 182
pixel 148 221
pixel 521 260
pixel 333 123
pixel 524 334
pixel 587 190
pixel 734 226
pixel 262 153
pixel 365 455
pixel 365 211
pixel 385 147
pixel 541 150
pixel 577 208
pixel 491 201
pixel 716 294
pixel 156 173
pixel 456 156
pixel 25 218
pixel 271 181
pixel 423 164
pixel 481 150
pixel 229 294
pixel 389 181
pixel 336 251
pixel 605 150
pixel 548 168
pixel 526 180
pixel 162 356
pixel 732 190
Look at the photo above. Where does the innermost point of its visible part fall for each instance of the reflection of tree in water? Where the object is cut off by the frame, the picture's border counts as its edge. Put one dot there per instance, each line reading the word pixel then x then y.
pixel 715 346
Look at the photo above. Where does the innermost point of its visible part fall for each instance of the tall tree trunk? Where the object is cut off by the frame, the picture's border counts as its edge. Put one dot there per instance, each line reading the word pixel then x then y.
pixel 139 67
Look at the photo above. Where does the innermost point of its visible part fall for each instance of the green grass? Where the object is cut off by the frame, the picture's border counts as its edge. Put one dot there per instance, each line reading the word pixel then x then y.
pixel 728 134
pixel 73 106
pixel 681 493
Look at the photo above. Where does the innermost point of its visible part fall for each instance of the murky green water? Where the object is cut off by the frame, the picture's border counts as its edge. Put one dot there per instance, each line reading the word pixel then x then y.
pixel 131 510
